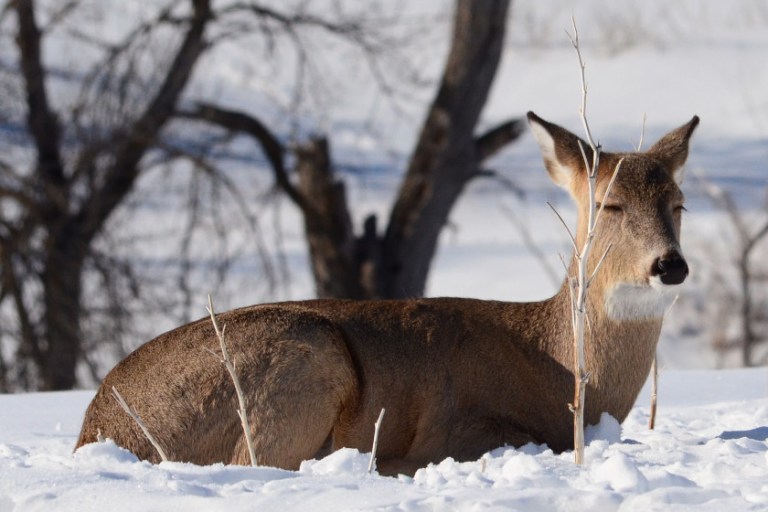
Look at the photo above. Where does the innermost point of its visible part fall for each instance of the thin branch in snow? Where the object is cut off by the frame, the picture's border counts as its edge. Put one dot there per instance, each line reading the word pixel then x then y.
pixel 654 391
pixel 230 366
pixel 655 377
pixel 580 283
pixel 376 430
pixel 127 408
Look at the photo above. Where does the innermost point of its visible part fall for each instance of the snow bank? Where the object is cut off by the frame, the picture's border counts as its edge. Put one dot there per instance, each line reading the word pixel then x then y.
pixel 709 452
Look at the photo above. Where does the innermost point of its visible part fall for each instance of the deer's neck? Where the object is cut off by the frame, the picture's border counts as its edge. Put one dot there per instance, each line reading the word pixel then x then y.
pixel 618 349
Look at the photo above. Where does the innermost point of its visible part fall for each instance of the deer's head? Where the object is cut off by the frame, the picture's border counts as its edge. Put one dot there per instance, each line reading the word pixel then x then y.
pixel 640 220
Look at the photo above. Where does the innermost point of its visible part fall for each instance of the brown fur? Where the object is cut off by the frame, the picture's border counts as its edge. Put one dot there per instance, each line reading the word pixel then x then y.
pixel 458 377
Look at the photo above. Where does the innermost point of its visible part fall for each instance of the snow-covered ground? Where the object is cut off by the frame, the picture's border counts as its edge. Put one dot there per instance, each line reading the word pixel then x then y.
pixel 709 452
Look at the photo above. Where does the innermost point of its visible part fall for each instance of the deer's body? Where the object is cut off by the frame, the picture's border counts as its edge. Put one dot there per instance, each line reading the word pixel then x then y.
pixel 458 377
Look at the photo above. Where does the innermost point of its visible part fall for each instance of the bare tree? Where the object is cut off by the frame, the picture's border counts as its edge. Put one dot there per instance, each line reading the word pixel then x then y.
pixel 752 314
pixel 69 166
pixel 56 207
pixel 394 262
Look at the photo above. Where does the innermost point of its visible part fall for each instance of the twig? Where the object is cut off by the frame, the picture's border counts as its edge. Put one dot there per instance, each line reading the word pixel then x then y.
pixel 227 362
pixel 582 67
pixel 570 235
pixel 139 422
pixel 642 134
pixel 608 189
pixel 532 246
pixel 655 377
pixel 376 429
pixel 599 263
pixel 654 391
pixel 580 283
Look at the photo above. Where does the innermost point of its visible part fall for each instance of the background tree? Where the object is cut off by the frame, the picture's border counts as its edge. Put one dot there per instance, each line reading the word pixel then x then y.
pixel 394 262
pixel 742 299
pixel 78 141
pixel 55 208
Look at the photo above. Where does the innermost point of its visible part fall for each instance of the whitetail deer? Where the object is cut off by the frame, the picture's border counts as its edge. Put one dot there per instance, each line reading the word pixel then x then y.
pixel 458 377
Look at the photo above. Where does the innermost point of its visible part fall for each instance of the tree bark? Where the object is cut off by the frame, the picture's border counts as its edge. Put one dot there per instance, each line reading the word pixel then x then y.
pixel 62 298
pixel 446 156
pixel 327 224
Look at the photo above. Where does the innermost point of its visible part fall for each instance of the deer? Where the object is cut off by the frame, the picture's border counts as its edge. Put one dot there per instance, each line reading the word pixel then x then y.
pixel 458 377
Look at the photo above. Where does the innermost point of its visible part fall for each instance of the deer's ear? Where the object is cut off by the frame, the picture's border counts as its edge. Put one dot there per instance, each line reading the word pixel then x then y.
pixel 560 148
pixel 672 149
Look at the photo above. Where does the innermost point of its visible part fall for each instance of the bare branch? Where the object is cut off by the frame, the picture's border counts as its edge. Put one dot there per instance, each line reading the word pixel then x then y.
pixel 756 238
pixel 502 180
pixel 608 190
pixel 581 282
pixel 241 122
pixel 655 378
pixel 565 225
pixel 61 14
pixel 231 187
pixel 533 248
pixel 582 70
pixel 495 139
pixel 374 449
pixel 654 391
pixel 242 411
pixel 143 133
pixel 127 408
pixel 43 123
pixel 725 201
pixel 642 134
pixel 599 264
pixel 15 287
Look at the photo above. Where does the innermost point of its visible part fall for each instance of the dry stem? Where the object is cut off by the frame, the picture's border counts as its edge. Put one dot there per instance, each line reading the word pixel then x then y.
pixel 655 378
pixel 230 366
pixel 654 391
pixel 139 422
pixel 581 282
pixel 376 429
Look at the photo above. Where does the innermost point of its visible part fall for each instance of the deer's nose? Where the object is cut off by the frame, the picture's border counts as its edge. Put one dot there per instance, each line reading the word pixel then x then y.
pixel 671 268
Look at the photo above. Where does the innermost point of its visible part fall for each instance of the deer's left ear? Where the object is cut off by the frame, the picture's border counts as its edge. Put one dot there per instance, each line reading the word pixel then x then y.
pixel 672 149
pixel 562 151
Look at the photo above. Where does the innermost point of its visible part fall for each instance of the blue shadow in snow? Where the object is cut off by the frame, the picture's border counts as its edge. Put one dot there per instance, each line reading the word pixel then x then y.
pixel 757 434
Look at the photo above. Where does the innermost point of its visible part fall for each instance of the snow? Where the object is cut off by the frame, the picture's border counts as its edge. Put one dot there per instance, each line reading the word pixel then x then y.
pixel 709 451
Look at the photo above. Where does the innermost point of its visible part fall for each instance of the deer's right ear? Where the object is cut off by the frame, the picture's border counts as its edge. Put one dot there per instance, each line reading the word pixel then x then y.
pixel 560 149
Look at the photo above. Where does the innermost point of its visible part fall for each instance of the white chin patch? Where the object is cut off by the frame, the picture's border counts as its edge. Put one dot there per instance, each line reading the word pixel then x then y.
pixel 629 301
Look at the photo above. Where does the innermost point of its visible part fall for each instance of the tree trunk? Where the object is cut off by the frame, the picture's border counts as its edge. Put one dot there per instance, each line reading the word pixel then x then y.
pixel 327 224
pixel 447 155
pixel 62 292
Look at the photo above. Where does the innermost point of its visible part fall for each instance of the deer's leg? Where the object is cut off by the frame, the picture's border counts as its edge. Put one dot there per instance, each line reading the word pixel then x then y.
pixel 468 439
pixel 472 436
pixel 297 398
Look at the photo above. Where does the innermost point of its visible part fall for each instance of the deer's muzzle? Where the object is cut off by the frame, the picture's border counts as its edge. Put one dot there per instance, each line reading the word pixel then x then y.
pixel 670 268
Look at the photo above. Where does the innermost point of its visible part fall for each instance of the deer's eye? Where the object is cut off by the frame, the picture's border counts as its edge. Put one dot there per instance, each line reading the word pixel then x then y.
pixel 610 208
pixel 679 209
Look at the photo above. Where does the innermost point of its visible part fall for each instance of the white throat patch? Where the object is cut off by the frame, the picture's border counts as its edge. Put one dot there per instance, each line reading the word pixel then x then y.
pixel 628 301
